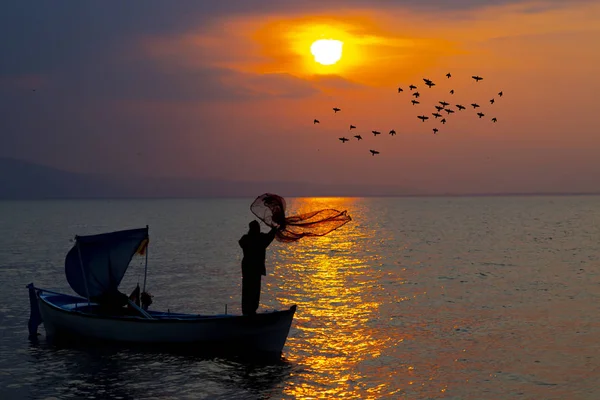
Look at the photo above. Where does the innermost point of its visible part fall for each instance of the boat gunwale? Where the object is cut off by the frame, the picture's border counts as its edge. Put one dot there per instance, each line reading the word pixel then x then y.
pixel 192 317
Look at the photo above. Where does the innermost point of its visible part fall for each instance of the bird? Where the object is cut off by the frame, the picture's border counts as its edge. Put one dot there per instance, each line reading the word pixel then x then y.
pixel 411 87
pixel 358 137
pixel 439 108
pixel 423 117
pixel 392 132
pixel 477 78
pixel 352 127
pixel 428 82
pixel 494 119
pixel 436 115
pixel 481 114
pixel 443 121
pixel 448 75
pixel 343 139
pixel 375 133
pixel 400 90
pixel 449 111
pixel 435 131
pixel 416 94
pixel 460 107
pixel 444 103
pixel 492 101
pixel 373 152
pixel 452 91
pixel 414 102
pixel 475 105
pixel 316 121
pixel 500 94
pixel 335 109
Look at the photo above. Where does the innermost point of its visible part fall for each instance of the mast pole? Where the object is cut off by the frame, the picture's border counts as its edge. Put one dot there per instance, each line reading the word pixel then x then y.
pixel 87 291
pixel 146 263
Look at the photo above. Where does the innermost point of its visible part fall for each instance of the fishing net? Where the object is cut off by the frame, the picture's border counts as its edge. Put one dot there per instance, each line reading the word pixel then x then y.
pixel 270 208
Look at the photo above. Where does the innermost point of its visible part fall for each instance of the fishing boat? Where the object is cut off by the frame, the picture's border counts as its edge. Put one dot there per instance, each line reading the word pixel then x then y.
pixel 94 268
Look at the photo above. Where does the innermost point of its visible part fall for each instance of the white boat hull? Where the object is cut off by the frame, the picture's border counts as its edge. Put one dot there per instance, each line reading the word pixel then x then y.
pixel 264 332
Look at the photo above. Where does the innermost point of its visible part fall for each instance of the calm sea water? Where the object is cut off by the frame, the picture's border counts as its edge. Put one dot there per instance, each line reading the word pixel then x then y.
pixel 420 298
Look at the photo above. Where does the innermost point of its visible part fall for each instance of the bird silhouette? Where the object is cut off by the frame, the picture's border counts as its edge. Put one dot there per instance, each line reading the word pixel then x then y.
pixel 500 94
pixel 373 152
pixel 436 115
pixel 449 111
pixel 411 87
pixel 494 120
pixel 358 137
pixel 460 107
pixel 375 133
pixel 492 101
pixel 480 114
pixel 475 105
pixel 452 91
pixel 423 117
pixel 428 82
pixel 435 131
pixel 416 94
pixel 335 109
pixel 443 103
pixel 477 78
pixel 448 75
pixel 414 102
pixel 343 139
pixel 352 127
pixel 392 132
pixel 316 121
pixel 443 121
pixel 400 90
pixel 439 108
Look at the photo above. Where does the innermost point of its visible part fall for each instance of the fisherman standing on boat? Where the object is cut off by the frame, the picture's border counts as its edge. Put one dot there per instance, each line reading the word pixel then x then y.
pixel 254 245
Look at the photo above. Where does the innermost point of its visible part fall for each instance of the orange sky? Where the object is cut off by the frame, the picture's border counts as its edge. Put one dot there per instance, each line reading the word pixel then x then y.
pixel 263 90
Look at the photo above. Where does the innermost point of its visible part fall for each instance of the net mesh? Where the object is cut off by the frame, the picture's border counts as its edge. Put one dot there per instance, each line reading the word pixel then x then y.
pixel 270 208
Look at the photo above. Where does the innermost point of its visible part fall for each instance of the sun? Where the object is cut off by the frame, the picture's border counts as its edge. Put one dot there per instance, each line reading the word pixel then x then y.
pixel 327 51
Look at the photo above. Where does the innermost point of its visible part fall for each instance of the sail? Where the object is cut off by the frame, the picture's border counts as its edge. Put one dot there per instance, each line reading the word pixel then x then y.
pixel 100 261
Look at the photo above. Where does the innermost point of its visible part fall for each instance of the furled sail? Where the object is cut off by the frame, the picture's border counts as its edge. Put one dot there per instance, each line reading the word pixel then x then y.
pixel 100 261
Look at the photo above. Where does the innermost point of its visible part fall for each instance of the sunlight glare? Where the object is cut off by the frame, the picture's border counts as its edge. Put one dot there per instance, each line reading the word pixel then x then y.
pixel 327 51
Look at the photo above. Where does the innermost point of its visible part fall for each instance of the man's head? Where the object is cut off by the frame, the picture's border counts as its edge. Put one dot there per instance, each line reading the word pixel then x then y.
pixel 254 226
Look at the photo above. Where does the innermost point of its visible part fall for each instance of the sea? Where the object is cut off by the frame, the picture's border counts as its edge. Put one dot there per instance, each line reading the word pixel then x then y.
pixel 415 298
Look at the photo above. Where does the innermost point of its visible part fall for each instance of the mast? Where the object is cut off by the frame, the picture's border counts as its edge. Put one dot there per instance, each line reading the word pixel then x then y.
pixel 146 264
pixel 87 291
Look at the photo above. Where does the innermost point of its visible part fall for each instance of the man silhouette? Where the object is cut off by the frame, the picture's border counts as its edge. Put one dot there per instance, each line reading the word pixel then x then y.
pixel 254 245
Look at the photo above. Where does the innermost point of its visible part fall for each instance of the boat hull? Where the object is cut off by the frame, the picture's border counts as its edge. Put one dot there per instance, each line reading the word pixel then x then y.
pixel 261 333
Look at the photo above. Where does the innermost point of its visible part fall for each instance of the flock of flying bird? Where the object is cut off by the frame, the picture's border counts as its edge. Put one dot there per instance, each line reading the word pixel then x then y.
pixel 442 107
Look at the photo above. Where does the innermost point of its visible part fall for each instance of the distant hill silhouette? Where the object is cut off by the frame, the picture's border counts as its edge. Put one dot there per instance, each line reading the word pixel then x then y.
pixel 24 180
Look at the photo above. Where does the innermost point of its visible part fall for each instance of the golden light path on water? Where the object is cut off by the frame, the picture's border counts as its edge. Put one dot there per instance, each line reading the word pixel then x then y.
pixel 347 320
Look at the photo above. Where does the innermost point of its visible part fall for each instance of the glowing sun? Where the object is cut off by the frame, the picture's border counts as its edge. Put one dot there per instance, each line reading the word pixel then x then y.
pixel 327 51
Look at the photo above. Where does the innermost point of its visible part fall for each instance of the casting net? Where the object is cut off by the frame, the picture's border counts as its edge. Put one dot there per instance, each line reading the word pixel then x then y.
pixel 270 208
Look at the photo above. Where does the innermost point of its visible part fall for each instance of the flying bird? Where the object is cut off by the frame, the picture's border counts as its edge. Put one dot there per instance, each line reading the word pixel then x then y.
pixel 492 101
pixel 428 82
pixel 477 78
pixel 392 132
pixel 481 114
pixel 439 108
pixel 358 137
pixel 373 152
pixel 448 75
pixel 500 94
pixel 475 105
pixel 335 109
pixel 449 111
pixel 494 120
pixel 436 115
pixel 460 107
pixel 443 121
pixel 423 117
pixel 400 90
pixel 414 102
pixel 316 121
pixel 416 94
pixel 444 103
pixel 343 139
pixel 375 133
pixel 352 127
pixel 452 91
pixel 435 131
pixel 411 87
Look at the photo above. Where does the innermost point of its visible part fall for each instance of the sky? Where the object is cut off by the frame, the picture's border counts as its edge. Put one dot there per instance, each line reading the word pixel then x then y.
pixel 230 90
